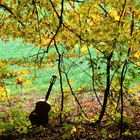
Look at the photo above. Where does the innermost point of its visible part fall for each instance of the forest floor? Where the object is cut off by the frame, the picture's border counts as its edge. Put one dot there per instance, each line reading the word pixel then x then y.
pixel 78 132
pixel 74 127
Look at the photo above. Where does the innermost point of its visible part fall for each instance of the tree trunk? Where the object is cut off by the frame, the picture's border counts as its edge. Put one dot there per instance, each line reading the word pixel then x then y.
pixel 107 91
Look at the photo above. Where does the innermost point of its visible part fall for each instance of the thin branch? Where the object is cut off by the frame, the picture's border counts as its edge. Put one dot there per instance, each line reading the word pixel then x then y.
pixel 123 8
pixel 115 71
pixel 84 72
pixel 60 23
pixel 71 30
pixel 61 80
pixel 104 10
pixel 93 75
pixel 132 25
pixel 74 95
pixel 96 84
pixel 38 24
pixel 61 14
pixel 10 11
pixel 123 74
pixel 54 9
pixel 57 30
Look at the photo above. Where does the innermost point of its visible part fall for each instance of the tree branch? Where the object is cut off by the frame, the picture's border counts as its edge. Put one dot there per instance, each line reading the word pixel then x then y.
pixel 10 11
pixel 61 80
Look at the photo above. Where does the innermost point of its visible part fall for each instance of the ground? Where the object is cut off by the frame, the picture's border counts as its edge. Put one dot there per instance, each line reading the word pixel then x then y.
pixel 74 127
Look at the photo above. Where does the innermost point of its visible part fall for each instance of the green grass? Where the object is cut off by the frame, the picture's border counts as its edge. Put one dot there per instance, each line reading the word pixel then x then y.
pixel 16 49
pixel 41 78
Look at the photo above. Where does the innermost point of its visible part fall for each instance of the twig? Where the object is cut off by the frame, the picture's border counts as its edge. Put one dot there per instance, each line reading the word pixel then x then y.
pixel 93 75
pixel 61 80
pixel 104 10
pixel 74 94
pixel 124 4
pixel 60 23
pixel 10 11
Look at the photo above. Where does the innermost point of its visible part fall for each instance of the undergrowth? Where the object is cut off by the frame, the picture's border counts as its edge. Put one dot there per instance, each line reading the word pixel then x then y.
pixel 15 122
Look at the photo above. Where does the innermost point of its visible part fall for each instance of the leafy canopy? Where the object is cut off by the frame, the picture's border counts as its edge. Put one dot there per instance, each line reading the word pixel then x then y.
pixel 104 26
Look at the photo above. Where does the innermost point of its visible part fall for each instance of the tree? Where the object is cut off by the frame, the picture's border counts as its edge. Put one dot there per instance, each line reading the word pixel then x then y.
pixel 111 29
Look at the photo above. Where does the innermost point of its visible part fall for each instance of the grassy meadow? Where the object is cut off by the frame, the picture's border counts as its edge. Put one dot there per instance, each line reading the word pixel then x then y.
pixel 40 78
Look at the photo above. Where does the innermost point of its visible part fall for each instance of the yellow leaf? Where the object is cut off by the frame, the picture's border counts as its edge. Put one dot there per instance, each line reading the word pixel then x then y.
pixel 1 64
pixel 114 13
pixel 132 90
pixel 15 73
pixel 135 97
pixel 19 80
pixel 73 129
pixel 76 45
pixel 84 48
pixel 28 82
pixel 3 96
pixel 1 88
pixel 137 64
pixel 137 54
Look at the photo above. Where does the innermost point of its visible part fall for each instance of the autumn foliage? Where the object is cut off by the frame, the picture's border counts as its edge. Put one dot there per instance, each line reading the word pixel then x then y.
pixel 100 38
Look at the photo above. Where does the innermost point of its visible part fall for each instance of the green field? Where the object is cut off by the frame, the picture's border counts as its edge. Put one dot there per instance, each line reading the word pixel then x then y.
pixel 79 74
pixel 40 78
